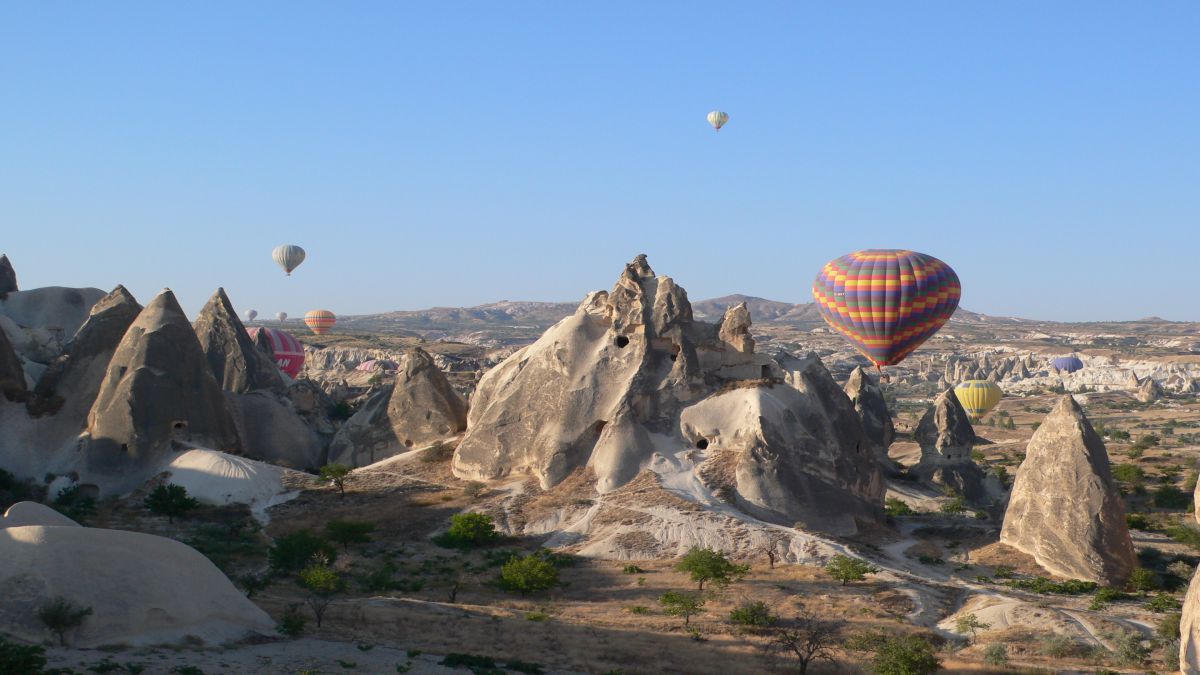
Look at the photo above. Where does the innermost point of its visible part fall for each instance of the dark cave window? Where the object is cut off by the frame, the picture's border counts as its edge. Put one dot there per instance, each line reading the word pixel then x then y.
pixel 766 372
pixel 702 444
pixel 622 341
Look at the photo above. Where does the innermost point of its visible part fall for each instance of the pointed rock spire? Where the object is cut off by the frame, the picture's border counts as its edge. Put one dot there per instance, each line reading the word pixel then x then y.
pixel 158 394
pixel 871 407
pixel 12 374
pixel 238 366
pixel 1065 508
pixel 945 431
pixel 735 328
pixel 8 276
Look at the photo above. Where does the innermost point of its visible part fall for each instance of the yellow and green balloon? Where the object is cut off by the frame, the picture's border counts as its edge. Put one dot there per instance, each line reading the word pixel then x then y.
pixel 978 397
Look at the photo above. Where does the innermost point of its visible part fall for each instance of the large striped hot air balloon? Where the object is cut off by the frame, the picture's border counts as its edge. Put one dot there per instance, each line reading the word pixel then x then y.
pixel 320 321
pixel 886 302
pixel 1068 364
pixel 978 397
pixel 718 119
pixel 288 256
pixel 288 352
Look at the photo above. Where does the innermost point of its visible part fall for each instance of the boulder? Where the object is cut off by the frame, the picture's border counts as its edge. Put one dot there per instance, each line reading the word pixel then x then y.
pixel 74 378
pixel 158 396
pixel 1148 391
pixel 1065 509
pixel 142 589
pixel 8 276
pixel 23 514
pixel 419 408
pixel 867 397
pixel 607 387
pixel 235 361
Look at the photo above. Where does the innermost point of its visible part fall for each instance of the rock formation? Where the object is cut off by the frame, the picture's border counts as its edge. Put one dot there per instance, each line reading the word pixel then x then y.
pixel 272 430
pixel 1149 391
pixel 735 328
pixel 420 407
pixel 158 395
pixel 1065 509
pixel 946 438
pixel 1189 629
pixel 12 375
pixel 23 514
pixel 608 388
pixel 872 409
pixel 238 366
pixel 142 589
pixel 8 276
pixel 75 377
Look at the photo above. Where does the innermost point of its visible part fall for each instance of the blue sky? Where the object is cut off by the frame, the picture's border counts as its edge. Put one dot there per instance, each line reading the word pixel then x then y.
pixel 455 153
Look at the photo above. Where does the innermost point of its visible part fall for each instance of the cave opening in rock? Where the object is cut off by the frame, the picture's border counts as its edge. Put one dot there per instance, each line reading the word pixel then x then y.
pixel 622 342
pixel 702 444
pixel 766 372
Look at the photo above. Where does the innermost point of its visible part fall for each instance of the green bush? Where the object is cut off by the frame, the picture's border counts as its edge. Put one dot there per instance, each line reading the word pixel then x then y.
pixel 170 500
pixel 1128 473
pixel 61 616
pixel 1044 586
pixel 1171 497
pixel 528 574
pixel 897 507
pixel 906 655
pixel 632 569
pixel 752 615
pixel 71 502
pixel 1167 627
pixel 996 655
pixel 684 604
pixel 1185 534
pixel 292 623
pixel 295 550
pixel 1162 603
pixel 15 658
pixel 705 564
pixel 1138 521
pixel 469 530
pixel 846 569
pixel 346 532
pixel 956 505
pixel 1143 579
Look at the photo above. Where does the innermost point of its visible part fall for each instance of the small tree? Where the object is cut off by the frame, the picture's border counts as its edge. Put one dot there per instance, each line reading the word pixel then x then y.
pixel 705 564
pixel 682 603
pixel 969 623
pixel 996 655
pixel 846 569
pixel 346 532
pixel 906 655
pixel 528 574
pixel 468 530
pixel 171 501
pixel 322 583
pixel 807 638
pixel 292 623
pixel 294 550
pixel 15 658
pixel 752 616
pixel 337 474
pixel 61 615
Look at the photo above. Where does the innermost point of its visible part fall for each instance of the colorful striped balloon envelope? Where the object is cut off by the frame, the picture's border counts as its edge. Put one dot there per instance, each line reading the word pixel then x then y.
pixel 288 352
pixel 320 321
pixel 886 302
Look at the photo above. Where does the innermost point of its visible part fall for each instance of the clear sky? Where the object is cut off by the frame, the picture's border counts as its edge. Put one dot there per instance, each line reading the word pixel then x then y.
pixel 455 153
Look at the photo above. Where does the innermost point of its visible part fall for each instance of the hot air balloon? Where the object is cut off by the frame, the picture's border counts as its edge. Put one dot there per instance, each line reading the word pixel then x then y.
pixel 886 302
pixel 288 256
pixel 288 352
pixel 978 397
pixel 718 119
pixel 250 314
pixel 320 321
pixel 281 317
pixel 1069 364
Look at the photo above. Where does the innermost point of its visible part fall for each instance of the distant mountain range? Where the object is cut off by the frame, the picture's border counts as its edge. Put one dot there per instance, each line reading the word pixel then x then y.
pixel 519 318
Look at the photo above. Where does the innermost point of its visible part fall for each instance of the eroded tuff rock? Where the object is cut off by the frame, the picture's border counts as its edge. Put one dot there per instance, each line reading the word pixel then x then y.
pixel 71 382
pixel 1149 391
pixel 1189 629
pixel 735 328
pixel 419 408
pixel 272 430
pixel 867 397
pixel 1065 509
pixel 238 366
pixel 158 396
pixel 610 387
pixel 8 276
pixel 946 438
pixel 12 375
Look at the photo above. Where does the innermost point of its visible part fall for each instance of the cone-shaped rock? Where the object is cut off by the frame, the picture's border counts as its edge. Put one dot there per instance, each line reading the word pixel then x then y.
pixel 945 431
pixel 8 276
pixel 159 395
pixel 1065 509
pixel 73 380
pixel 12 375
pixel 872 409
pixel 1189 629
pixel 1149 391
pixel 238 366
pixel 632 379
pixel 421 407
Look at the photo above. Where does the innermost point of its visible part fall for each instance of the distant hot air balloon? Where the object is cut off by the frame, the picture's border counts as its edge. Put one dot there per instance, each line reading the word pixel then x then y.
pixel 978 397
pixel 251 314
pixel 718 119
pixel 288 352
pixel 1069 364
pixel 288 256
pixel 886 302
pixel 320 321
pixel 281 317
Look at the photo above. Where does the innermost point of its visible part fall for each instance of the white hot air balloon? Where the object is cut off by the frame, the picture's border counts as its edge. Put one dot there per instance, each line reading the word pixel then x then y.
pixel 251 314
pixel 282 316
pixel 718 119
pixel 288 256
